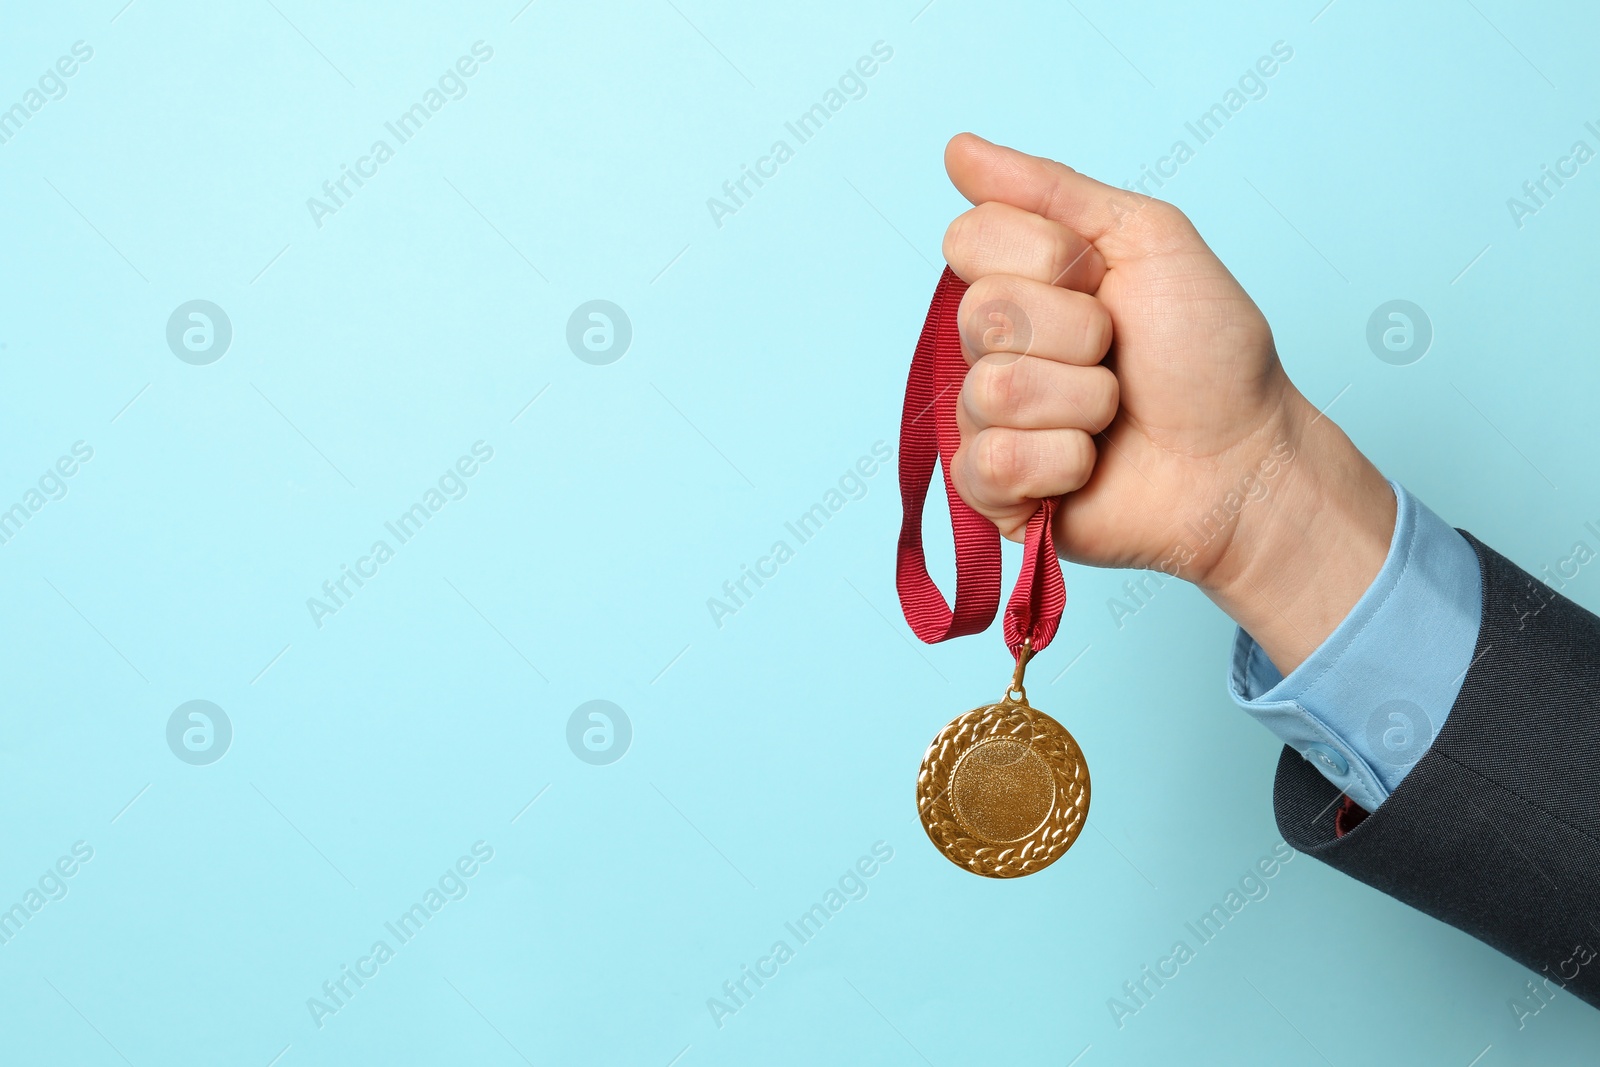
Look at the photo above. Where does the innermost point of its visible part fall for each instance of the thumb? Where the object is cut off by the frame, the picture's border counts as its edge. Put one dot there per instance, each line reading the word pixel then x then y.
pixel 1120 223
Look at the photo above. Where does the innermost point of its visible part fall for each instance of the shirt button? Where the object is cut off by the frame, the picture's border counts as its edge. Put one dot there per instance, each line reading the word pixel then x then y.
pixel 1327 759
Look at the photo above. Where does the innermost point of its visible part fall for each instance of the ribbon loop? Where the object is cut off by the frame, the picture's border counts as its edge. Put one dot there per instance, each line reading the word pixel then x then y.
pixel 929 438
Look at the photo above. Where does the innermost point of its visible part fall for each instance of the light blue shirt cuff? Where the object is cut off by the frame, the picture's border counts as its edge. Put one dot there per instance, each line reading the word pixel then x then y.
pixel 1366 705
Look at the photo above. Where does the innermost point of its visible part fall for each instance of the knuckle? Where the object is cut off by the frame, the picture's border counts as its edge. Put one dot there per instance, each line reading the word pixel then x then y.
pixel 955 238
pixel 1072 461
pixel 969 314
pixel 1078 458
pixel 996 389
pixel 967 234
pixel 1096 328
pixel 1107 399
pixel 1000 458
pixel 1067 253
pixel 991 318
pixel 985 290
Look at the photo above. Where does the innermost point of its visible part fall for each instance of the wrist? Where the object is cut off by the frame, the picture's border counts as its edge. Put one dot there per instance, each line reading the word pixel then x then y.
pixel 1302 554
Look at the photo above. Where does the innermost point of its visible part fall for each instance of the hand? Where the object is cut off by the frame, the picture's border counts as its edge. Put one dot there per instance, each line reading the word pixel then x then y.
pixel 1116 363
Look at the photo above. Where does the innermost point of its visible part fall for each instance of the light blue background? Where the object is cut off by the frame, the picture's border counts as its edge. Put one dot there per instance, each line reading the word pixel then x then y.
pixel 768 355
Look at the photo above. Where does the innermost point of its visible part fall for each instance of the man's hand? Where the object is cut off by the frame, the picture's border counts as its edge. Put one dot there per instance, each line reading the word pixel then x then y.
pixel 1116 361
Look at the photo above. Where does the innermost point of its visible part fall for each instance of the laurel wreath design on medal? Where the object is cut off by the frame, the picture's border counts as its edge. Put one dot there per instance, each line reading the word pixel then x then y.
pixel 1004 789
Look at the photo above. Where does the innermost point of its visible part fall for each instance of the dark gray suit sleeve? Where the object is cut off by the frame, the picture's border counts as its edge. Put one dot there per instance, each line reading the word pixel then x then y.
pixel 1497 830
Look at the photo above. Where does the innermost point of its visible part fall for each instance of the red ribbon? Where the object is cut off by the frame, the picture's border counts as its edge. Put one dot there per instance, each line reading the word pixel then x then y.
pixel 929 437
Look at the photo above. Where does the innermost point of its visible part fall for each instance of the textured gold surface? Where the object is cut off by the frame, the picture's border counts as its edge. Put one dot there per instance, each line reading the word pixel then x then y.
pixel 1004 790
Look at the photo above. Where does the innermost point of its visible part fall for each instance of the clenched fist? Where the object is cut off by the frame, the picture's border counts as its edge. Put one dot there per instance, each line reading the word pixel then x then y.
pixel 1116 363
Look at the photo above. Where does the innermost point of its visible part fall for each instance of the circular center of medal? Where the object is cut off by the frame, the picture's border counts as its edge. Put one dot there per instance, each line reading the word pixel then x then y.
pixel 1002 790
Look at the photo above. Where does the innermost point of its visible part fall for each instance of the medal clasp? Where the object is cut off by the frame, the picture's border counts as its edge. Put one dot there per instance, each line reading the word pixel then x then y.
pixel 1016 686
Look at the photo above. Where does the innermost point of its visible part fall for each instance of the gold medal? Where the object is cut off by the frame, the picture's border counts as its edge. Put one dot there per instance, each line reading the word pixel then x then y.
pixel 1004 789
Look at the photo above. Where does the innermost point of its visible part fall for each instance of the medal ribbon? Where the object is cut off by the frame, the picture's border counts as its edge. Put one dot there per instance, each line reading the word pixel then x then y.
pixel 929 437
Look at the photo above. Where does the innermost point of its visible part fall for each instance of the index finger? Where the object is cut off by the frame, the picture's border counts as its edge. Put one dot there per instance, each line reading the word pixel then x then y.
pixel 996 238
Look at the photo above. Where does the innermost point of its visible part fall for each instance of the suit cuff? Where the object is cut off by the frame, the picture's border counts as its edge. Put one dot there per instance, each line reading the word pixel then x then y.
pixel 1367 703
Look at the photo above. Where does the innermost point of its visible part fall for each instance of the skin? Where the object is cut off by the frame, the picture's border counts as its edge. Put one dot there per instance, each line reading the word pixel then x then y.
pixel 1116 363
